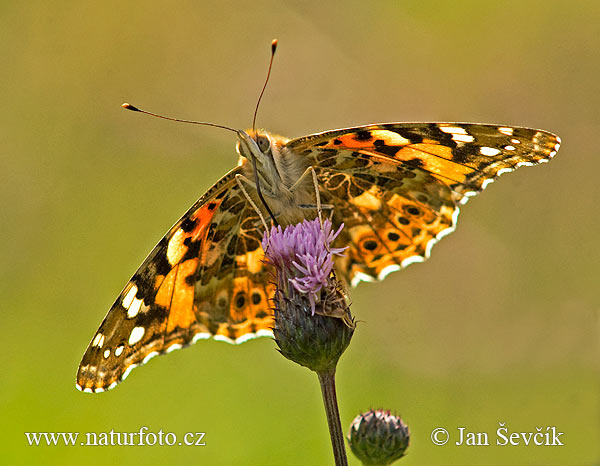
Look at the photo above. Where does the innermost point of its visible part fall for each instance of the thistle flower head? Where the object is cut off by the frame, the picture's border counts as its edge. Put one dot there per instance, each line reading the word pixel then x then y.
pixel 313 325
pixel 304 253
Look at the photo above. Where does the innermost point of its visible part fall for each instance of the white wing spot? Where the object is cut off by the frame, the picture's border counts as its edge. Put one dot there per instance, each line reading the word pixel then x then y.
pixel 411 260
pixel 509 147
pixel 119 350
pixel 389 137
pixel 244 338
pixel 463 138
pixel 134 308
pixel 515 141
pixel 250 336
pixel 149 356
pixel 223 338
pixel 504 170
pixel 388 270
pixel 466 196
pixel 489 151
pixel 525 164
pixel 201 336
pixel 361 277
pixel 506 130
pixel 136 335
pixel 98 340
pixel 453 130
pixel 173 347
pixel 106 353
pixel 264 333
pixel 176 249
pixel 129 296
pixel 486 182
pixel 128 371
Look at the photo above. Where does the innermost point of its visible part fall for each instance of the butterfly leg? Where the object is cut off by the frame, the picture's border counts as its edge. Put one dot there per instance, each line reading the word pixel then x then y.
pixel 296 185
pixel 240 180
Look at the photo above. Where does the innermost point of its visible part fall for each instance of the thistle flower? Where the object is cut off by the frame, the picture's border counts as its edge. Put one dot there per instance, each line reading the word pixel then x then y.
pixel 313 325
pixel 302 256
pixel 377 437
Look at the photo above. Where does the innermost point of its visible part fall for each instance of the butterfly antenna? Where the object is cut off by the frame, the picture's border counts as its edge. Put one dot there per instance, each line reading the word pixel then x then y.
pixel 133 108
pixel 273 48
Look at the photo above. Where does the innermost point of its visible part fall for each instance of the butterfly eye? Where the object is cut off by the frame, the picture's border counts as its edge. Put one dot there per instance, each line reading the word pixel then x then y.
pixel 263 143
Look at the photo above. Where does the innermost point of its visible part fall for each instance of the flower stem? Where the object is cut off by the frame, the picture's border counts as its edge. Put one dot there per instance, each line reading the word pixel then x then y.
pixel 327 380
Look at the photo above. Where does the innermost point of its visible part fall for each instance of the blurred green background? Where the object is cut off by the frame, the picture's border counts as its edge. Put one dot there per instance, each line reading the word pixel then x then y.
pixel 500 325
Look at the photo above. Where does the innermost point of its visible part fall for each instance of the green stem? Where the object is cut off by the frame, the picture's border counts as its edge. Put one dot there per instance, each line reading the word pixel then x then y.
pixel 327 380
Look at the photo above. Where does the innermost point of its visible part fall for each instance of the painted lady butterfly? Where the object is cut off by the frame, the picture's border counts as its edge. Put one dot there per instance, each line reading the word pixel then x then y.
pixel 397 187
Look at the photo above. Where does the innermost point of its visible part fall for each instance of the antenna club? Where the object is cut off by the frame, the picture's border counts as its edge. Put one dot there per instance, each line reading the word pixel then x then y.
pixel 273 46
pixel 130 107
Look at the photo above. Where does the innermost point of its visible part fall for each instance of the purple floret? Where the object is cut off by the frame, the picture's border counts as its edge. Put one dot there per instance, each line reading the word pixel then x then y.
pixel 304 253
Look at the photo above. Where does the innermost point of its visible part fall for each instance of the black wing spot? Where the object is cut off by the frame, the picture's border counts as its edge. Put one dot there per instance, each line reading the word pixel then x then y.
pixel 240 300
pixel 256 298
pixel 403 221
pixel 337 141
pixel 413 210
pixel 188 225
pixel 363 136
pixel 227 261
pixel 416 162
pixel 161 263
pixel 192 252
pixel 413 136
pixel 369 245
pixel 190 280
pixel 386 149
pixel 393 236
pixel 319 144
pixel 211 206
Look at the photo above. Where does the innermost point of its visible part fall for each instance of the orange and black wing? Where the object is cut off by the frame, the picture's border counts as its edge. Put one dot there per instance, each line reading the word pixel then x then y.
pixel 397 187
pixel 204 279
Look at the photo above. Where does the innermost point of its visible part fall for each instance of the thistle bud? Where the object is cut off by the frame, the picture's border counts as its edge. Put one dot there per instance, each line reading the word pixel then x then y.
pixel 378 438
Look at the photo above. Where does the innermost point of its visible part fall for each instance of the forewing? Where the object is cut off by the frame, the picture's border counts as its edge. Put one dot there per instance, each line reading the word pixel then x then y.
pixel 204 279
pixel 397 186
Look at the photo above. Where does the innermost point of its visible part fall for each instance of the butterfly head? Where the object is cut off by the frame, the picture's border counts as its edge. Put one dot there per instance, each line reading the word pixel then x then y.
pixel 265 148
pixel 255 143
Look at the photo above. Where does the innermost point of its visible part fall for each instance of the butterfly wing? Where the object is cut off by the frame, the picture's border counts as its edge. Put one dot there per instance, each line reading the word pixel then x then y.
pixel 204 279
pixel 398 186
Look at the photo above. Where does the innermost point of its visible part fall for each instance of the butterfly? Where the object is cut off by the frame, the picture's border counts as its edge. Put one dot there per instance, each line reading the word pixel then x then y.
pixel 397 187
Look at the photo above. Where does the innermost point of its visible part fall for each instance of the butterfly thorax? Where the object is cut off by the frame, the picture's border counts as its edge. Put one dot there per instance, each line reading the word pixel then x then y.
pixel 279 170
